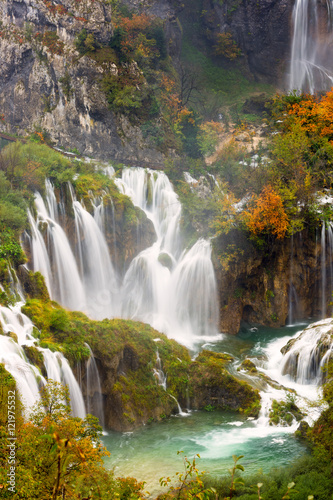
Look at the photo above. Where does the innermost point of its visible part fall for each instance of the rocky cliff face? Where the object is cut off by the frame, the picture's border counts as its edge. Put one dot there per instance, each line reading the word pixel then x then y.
pixel 272 287
pixel 45 84
pixel 260 29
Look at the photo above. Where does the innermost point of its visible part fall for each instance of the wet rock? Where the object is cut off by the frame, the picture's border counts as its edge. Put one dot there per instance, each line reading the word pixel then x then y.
pixel 302 430
pixel 214 386
pixel 258 290
pixel 248 365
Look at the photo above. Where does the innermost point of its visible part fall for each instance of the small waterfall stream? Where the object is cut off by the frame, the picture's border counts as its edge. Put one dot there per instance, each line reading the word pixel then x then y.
pixel 311 68
pixel 162 381
pixel 94 389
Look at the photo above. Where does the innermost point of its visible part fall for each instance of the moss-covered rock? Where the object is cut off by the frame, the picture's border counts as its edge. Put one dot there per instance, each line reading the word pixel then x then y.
pixel 33 284
pixel 284 412
pixel 165 260
pixel 9 400
pixel 213 385
pixel 248 366
pixel 35 357
pixel 126 356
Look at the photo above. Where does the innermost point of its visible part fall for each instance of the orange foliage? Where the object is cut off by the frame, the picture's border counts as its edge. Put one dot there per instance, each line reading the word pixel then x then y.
pixel 135 39
pixel 171 100
pixel 267 215
pixel 314 115
pixel 226 46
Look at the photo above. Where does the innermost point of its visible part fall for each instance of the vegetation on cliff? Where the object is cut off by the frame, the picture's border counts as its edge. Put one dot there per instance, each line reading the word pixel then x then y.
pixel 126 352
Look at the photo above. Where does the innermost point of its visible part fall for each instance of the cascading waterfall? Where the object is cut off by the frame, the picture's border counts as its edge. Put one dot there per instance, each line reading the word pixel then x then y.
pixel 162 381
pixel 62 278
pixel 80 279
pixel 13 357
pixel 311 53
pixel 58 369
pixel 306 358
pixel 97 273
pixel 94 389
pixel 323 271
pixel 326 268
pixel 27 376
pixel 172 289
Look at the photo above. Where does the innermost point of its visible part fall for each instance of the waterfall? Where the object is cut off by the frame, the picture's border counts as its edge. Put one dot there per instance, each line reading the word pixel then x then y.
pixel 167 286
pixel 326 268
pixel 27 376
pixel 293 310
pixel 58 369
pixel 173 290
pixel 97 272
pixel 94 390
pixel 308 353
pixel 311 53
pixel 159 373
pixel 62 278
pixel 80 279
pixel 323 270
pixel 162 381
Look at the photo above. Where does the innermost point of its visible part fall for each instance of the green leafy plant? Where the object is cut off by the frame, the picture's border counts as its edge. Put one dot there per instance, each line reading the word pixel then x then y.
pixel 190 482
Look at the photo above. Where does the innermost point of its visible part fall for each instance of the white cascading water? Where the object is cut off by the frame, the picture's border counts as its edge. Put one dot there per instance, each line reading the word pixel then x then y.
pixel 58 369
pixel 159 373
pixel 62 279
pixel 171 289
pixel 162 381
pixel 174 291
pixel 96 270
pixel 94 390
pixel 311 54
pixel 27 376
pixel 307 357
pixel 13 356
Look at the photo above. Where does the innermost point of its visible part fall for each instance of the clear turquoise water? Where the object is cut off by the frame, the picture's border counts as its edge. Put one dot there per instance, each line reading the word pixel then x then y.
pixel 151 452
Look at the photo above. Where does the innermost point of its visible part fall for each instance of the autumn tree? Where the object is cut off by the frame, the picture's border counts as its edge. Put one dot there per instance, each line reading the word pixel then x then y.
pixel 267 214
pixel 59 456
pixel 226 46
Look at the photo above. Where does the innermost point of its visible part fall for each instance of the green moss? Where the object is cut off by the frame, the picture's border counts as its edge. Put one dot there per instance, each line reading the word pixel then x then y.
pixel 34 356
pixel 284 412
pixel 7 403
pixel 213 384
pixel 132 341
pixel 248 365
pixel 165 260
pixel 34 286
